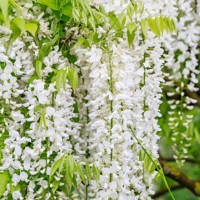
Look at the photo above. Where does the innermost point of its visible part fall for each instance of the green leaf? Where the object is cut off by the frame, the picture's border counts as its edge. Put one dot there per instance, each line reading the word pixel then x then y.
pixel 37 108
pixel 44 50
pixel 4 180
pixel 162 24
pixel 80 42
pixel 31 27
pixel 92 23
pixel 74 180
pixel 19 23
pixel 1 18
pixel 76 13
pixel 96 172
pixel 130 12
pixel 99 16
pixel 122 19
pixel 88 171
pixel 62 164
pixel 114 22
pixel 91 38
pixel 136 7
pixel 85 7
pixel 171 25
pixel 43 120
pixel 38 68
pixel 72 76
pixel 57 165
pixel 4 9
pixel 55 39
pixel 131 29
pixel 159 28
pixel 144 27
pixel 17 26
pixel 71 164
pixel 16 32
pixel 81 173
pixel 190 129
pixel 197 135
pixel 12 2
pixel 153 26
pixel 68 177
pixel 61 78
pixel 15 188
pixel 84 19
pixel 32 78
pixel 67 10
pixel 55 185
pixel 53 4
pixel 174 26
pixel 148 164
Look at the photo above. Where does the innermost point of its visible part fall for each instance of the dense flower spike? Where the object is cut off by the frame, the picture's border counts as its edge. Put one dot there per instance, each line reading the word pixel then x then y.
pixel 121 88
pixel 38 123
pixel 117 109
pixel 182 67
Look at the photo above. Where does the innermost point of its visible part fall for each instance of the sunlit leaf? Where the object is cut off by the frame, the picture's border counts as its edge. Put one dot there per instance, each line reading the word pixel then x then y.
pixel 67 10
pixel 57 165
pixel 38 68
pixel 81 172
pixel 31 28
pixel 72 76
pixel 80 42
pixel 153 26
pixel 131 29
pixel 55 185
pixel 61 78
pixel 53 4
pixel 19 23
pixel 17 26
pixel 4 180
pixel 144 27
pixel 4 9
pixel 88 171
pixel 96 172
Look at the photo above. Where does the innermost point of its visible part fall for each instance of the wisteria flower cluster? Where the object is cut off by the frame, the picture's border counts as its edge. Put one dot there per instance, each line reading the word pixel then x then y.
pixel 182 69
pixel 79 97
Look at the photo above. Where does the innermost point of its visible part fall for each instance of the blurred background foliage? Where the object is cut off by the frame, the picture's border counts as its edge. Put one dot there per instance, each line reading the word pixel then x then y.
pixel 191 166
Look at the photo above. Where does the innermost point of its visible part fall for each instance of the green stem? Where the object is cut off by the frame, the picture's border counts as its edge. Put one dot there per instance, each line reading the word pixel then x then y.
pixel 86 192
pixel 156 165
pixel 111 106
pixel 87 151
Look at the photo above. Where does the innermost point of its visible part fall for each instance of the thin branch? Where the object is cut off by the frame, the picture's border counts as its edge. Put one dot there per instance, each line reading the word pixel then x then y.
pixel 189 160
pixel 164 191
pixel 178 176
pixel 193 95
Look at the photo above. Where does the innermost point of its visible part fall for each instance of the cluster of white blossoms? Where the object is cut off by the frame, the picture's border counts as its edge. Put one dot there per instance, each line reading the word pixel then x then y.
pixel 121 91
pixel 38 121
pixel 181 60
pixel 181 67
pixel 121 106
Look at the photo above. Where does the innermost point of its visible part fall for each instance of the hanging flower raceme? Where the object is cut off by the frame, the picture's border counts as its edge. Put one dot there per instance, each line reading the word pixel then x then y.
pixel 182 70
pixel 121 91
pixel 117 115
pixel 38 122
